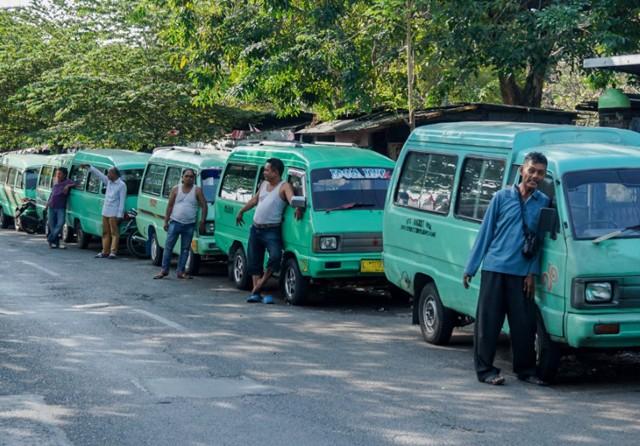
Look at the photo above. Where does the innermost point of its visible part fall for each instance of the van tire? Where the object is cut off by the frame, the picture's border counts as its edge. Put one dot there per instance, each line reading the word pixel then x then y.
pixel 436 321
pixel 293 284
pixel 548 352
pixel 5 220
pixel 67 233
pixel 193 263
pixel 83 237
pixel 156 250
pixel 240 269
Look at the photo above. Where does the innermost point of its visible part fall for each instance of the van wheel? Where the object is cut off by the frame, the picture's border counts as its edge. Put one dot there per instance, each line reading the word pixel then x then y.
pixel 67 233
pixel 156 250
pixel 5 220
pixel 548 353
pixel 293 283
pixel 239 269
pixel 436 321
pixel 83 237
pixel 193 263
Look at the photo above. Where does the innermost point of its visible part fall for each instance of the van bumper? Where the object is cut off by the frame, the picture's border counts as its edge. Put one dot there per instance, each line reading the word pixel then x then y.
pixel 206 246
pixel 340 266
pixel 581 330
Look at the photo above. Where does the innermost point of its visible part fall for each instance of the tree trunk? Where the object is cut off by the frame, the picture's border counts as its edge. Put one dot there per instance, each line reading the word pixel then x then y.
pixel 529 95
pixel 410 64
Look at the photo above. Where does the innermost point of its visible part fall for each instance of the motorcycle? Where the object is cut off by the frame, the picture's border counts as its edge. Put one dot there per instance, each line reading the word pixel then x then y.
pixel 27 220
pixel 136 244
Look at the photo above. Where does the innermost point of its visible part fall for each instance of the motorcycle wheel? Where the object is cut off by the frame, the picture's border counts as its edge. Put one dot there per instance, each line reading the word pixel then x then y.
pixel 136 246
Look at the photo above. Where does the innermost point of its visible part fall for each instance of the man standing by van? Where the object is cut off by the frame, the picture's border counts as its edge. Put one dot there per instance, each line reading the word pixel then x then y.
pixel 266 232
pixel 112 209
pixel 509 266
pixel 180 221
pixel 57 206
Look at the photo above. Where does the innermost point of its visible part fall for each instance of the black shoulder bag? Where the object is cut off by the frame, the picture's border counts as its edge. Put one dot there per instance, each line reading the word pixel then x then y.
pixel 531 241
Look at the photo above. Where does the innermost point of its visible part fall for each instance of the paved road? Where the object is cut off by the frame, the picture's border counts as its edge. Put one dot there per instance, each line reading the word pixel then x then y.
pixel 95 352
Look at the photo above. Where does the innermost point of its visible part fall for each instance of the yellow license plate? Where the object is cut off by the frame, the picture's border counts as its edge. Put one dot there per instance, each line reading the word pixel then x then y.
pixel 371 266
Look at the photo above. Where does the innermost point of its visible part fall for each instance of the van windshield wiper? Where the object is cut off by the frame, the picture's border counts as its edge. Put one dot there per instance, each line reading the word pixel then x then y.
pixel 350 206
pixel 616 233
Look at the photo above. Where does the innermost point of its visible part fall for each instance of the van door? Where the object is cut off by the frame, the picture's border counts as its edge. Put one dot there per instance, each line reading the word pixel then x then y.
pixel 171 179
pixel 75 204
pixel 297 235
pixel 150 209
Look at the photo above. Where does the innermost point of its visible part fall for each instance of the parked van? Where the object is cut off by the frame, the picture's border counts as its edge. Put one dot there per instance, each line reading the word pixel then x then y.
pixel 339 237
pixel 47 178
pixel 18 179
pixel 84 208
pixel 163 172
pixel 588 294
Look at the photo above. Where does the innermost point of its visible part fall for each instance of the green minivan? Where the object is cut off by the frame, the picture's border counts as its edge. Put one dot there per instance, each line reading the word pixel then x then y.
pixel 338 239
pixel 588 294
pixel 84 208
pixel 163 172
pixel 18 180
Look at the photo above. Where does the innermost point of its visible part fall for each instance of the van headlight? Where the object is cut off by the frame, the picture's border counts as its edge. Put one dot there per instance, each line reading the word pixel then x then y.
pixel 598 292
pixel 328 243
pixel 209 228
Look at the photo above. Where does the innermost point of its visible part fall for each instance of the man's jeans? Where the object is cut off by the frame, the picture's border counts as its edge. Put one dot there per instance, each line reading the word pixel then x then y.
pixel 55 218
pixel 185 232
pixel 261 240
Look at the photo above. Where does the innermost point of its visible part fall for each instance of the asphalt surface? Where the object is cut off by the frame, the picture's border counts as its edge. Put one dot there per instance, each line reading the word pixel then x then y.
pixel 96 352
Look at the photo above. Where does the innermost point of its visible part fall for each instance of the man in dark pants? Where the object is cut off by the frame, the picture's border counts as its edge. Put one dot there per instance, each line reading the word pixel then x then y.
pixel 507 284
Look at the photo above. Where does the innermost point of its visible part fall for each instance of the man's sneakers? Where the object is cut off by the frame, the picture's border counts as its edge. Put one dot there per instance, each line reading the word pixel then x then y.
pixel 256 299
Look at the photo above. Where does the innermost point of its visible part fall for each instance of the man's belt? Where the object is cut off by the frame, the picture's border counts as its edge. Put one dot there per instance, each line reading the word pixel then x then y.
pixel 267 226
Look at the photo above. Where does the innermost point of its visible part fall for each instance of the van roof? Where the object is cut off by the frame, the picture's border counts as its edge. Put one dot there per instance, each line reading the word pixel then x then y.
pixel 562 157
pixel 197 158
pixel 59 160
pixel 520 136
pixel 23 161
pixel 318 155
pixel 123 159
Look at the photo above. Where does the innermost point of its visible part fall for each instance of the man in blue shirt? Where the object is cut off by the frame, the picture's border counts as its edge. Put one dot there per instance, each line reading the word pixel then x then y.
pixel 507 283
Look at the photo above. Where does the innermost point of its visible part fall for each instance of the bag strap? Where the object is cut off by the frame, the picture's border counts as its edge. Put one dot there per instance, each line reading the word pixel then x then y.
pixel 525 228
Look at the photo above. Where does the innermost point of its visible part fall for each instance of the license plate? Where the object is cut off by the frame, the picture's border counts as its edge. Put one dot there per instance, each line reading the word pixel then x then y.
pixel 371 266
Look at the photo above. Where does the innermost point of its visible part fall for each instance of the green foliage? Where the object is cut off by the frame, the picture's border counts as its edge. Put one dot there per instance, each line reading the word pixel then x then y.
pixel 94 74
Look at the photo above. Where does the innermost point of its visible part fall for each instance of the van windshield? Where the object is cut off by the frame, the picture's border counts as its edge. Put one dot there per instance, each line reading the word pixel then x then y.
pixel 344 188
pixel 210 179
pixel 132 178
pixel 602 201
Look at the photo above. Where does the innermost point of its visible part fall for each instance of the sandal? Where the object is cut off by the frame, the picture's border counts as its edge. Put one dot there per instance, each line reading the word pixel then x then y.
pixel 161 275
pixel 183 276
pixel 494 380
pixel 532 379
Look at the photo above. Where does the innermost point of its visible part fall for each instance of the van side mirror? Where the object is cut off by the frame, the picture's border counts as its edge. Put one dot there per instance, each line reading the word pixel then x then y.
pixel 299 202
pixel 548 222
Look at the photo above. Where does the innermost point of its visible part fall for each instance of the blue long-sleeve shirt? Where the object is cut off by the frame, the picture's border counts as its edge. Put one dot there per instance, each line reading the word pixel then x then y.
pixel 499 243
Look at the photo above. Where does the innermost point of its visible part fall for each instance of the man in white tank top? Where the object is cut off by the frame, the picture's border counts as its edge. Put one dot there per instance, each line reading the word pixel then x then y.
pixel 180 221
pixel 266 235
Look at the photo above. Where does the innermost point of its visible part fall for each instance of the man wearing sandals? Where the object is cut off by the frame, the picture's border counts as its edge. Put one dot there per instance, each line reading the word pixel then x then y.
pixel 180 221
pixel 507 284
pixel 266 232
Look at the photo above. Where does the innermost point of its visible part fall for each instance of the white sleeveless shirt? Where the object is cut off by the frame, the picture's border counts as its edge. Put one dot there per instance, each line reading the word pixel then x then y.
pixel 270 205
pixel 185 208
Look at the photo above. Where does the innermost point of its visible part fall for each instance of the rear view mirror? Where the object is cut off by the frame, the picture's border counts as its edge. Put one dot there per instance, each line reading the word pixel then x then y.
pixel 299 202
pixel 548 222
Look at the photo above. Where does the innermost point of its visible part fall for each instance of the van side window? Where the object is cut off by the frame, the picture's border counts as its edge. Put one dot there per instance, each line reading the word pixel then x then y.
pixel 19 179
pixel 426 182
pixel 481 179
pixel 171 179
pixel 238 182
pixel 297 179
pixel 152 182
pixel 12 177
pixel 30 179
pixel 94 185
pixel 46 175
pixel 4 172
pixel 79 175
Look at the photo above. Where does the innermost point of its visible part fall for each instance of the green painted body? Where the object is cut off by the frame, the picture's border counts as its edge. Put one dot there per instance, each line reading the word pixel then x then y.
pixel 440 254
pixel 84 207
pixel 46 179
pixel 18 180
pixel 152 206
pixel 298 235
